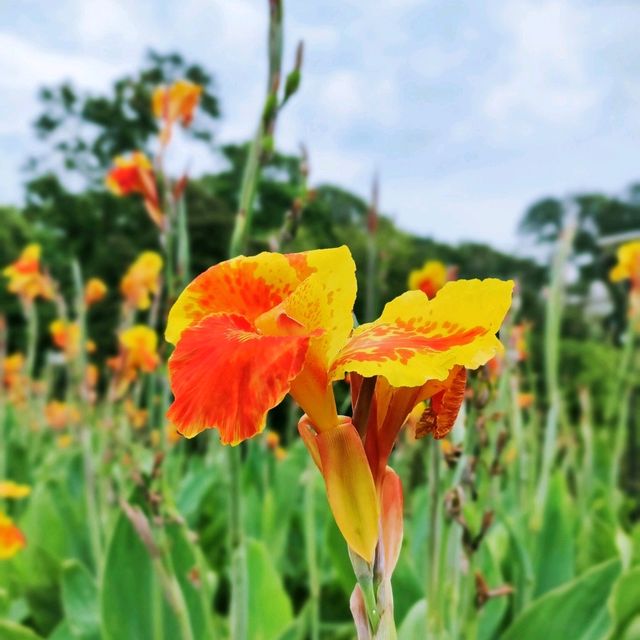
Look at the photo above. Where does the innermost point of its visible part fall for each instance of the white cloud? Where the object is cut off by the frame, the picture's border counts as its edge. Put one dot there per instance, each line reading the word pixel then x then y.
pixel 546 76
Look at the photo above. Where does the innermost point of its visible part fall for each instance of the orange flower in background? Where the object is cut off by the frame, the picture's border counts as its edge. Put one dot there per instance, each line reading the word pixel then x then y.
pixel 64 441
pixel 430 278
pixel 518 342
pixel 142 280
pixel 526 400
pixel 59 415
pixel 13 490
pixel 25 277
pixel 66 336
pixel 250 330
pixel 12 540
pixel 12 370
pixel 174 103
pixel 94 291
pixel 134 174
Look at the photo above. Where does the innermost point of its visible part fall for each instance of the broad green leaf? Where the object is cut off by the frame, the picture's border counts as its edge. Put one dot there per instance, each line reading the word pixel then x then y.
pixel 14 631
pixel 134 605
pixel 270 611
pixel 576 610
pixel 415 622
pixel 80 601
pixel 624 603
pixel 554 560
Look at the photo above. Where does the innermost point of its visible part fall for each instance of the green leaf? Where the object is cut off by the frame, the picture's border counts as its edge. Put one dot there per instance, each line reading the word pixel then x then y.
pixel 80 601
pixel 413 627
pixel 555 552
pixel 624 603
pixel 13 631
pixel 576 610
pixel 270 611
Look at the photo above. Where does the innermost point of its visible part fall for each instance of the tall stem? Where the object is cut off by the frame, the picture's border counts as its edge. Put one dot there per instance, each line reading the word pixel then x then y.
pixel 312 556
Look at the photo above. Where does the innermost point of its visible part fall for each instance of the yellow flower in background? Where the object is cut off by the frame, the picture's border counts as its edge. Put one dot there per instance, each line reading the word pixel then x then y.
pixel 174 103
pixel 138 417
pixel 430 278
pixel 64 441
pixel 59 415
pixel 26 279
pixel 139 344
pixel 12 540
pixel 94 291
pixel 66 336
pixel 628 267
pixel 13 490
pixel 142 280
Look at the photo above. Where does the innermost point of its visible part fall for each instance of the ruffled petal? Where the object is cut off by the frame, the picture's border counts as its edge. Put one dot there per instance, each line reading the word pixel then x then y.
pixel 417 339
pixel 245 286
pixel 225 375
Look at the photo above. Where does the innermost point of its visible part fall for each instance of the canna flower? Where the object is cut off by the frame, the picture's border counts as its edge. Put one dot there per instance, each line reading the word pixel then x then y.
pixel 142 280
pixel 252 329
pixel 59 415
pixel 518 342
pixel 13 490
pixel 430 278
pixel 175 103
pixel 12 370
pixel 628 266
pixel 138 346
pixel 526 400
pixel 138 417
pixel 94 291
pixel 135 175
pixel 64 441
pixel 66 336
pixel 25 277
pixel 12 540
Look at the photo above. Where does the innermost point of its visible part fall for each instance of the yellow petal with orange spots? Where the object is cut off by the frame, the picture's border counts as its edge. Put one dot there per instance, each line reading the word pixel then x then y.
pixel 417 339
pixel 248 286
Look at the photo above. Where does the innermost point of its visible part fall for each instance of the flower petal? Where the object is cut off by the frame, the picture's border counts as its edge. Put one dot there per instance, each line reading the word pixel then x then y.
pixel 245 286
pixel 227 376
pixel 391 519
pixel 350 488
pixel 417 339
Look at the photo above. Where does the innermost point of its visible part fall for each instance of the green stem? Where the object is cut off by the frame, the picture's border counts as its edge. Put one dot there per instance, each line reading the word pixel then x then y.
pixel 312 556
pixel 239 598
pixel 432 590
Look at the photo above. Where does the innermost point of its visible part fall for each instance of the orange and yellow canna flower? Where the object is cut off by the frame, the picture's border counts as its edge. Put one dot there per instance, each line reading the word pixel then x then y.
pixel 134 174
pixel 12 490
pixel 13 370
pixel 175 103
pixel 25 277
pixel 12 540
pixel 252 329
pixel 142 280
pixel 59 415
pixel 138 417
pixel 94 291
pixel 628 266
pixel 140 344
pixel 430 278
pixel 66 336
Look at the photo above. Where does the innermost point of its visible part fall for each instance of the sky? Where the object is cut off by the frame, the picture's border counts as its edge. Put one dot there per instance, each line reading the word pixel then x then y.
pixel 468 111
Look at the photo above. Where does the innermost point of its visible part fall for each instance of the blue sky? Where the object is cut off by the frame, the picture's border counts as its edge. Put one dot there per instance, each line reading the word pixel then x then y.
pixel 468 110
